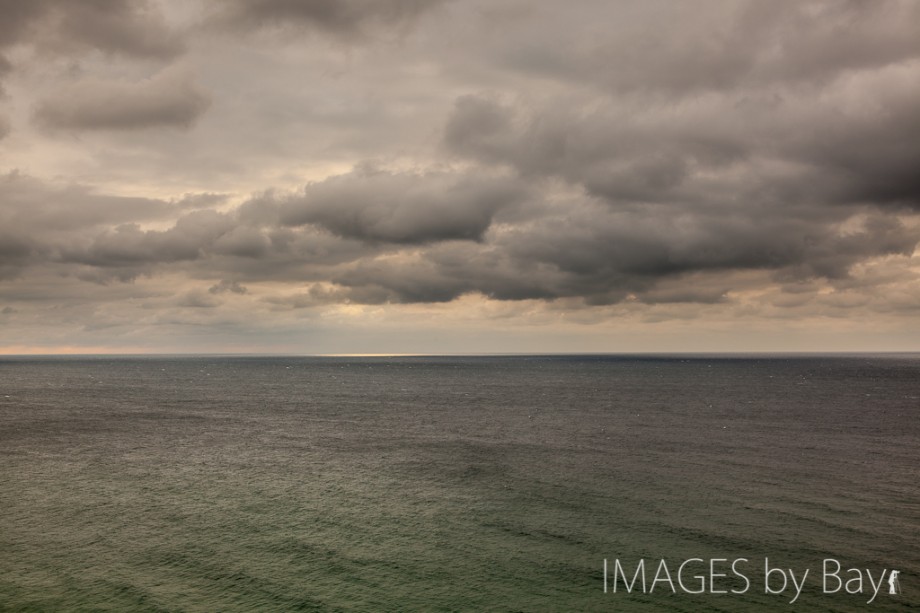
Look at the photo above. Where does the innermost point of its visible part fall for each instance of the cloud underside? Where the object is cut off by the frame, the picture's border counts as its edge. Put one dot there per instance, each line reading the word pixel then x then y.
pixel 374 236
pixel 680 154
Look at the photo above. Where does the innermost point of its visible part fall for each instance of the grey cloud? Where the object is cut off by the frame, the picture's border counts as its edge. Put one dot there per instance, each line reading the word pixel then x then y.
pixel 402 207
pixel 168 99
pixel 386 250
pixel 683 295
pixel 31 206
pixel 16 18
pixel 317 295
pixel 482 127
pixel 602 151
pixel 667 48
pixel 127 28
pixel 243 241
pixel 134 28
pixel 225 286
pixel 293 255
pixel 198 299
pixel 340 17
pixel 636 153
pixel 39 219
pixel 445 272
pixel 15 252
pixel 830 146
pixel 377 282
pixel 606 257
pixel 131 28
pixel 597 249
pixel 129 245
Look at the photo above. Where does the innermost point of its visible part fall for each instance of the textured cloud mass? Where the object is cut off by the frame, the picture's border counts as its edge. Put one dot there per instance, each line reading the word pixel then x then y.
pixel 63 27
pixel 165 100
pixel 401 208
pixel 352 176
pixel 131 28
pixel 341 17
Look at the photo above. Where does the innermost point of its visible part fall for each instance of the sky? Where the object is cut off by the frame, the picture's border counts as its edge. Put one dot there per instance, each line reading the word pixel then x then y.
pixel 459 176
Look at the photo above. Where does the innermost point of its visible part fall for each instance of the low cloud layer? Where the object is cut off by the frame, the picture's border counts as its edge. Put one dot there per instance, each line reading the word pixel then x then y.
pixel 350 18
pixel 134 28
pixel 536 163
pixel 380 206
pixel 62 28
pixel 165 100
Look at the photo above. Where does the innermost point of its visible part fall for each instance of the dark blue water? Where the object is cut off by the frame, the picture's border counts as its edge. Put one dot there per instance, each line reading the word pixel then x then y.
pixel 451 484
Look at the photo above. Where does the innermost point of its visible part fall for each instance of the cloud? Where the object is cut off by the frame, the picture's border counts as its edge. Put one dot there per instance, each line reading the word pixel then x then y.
pixel 198 299
pixel 405 208
pixel 15 252
pixel 168 99
pixel 349 18
pixel 227 286
pixel 30 205
pixel 661 49
pixel 375 237
pixel 133 28
pixel 605 257
pixel 128 244
pixel 836 144
pixel 527 160
pixel 40 218
pixel 45 222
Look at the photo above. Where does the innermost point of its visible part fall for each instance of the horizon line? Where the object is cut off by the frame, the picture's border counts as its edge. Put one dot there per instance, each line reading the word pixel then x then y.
pixel 464 354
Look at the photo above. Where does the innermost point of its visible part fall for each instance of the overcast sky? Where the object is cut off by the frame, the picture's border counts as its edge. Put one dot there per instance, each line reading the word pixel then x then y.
pixel 459 176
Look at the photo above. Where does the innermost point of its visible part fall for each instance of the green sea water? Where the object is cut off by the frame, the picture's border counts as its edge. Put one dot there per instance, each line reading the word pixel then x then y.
pixel 451 484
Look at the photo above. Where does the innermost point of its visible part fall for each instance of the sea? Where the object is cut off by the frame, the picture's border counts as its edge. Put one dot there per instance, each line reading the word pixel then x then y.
pixel 487 483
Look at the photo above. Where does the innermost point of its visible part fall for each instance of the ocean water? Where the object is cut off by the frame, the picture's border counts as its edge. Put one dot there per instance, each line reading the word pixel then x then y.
pixel 454 483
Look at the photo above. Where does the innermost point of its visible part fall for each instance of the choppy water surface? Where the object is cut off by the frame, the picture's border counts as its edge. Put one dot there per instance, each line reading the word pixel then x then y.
pixel 448 484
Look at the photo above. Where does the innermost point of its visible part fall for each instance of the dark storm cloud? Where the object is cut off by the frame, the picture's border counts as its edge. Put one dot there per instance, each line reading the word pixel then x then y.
pixel 403 208
pixel 605 257
pixel 444 272
pixel 595 249
pixel 373 237
pixel 795 147
pixel 340 17
pixel 169 99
